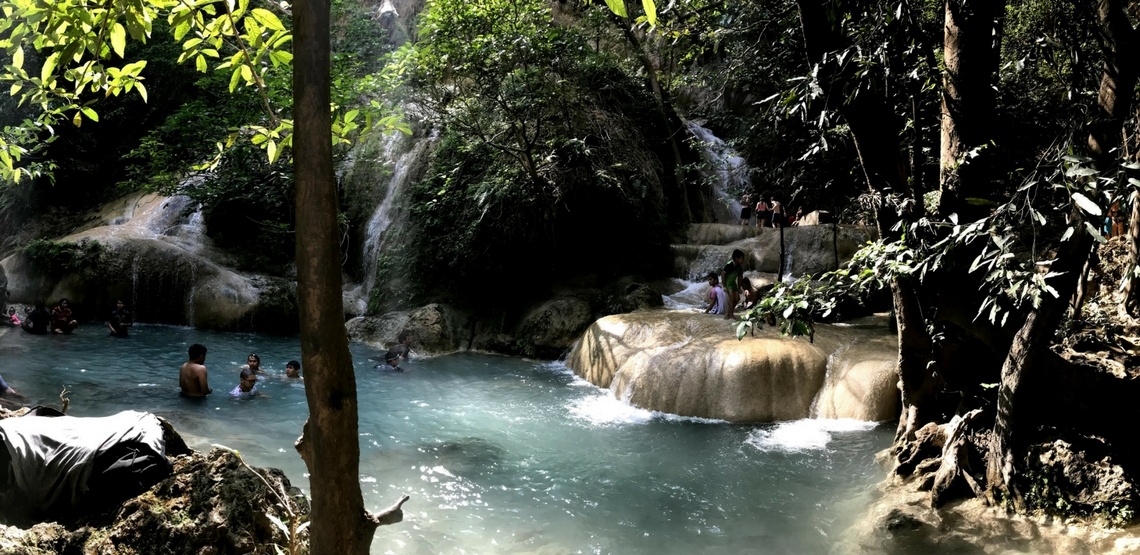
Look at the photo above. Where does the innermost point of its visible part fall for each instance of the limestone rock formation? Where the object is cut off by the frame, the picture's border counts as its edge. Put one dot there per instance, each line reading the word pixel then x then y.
pixel 435 329
pixel 807 249
pixel 691 364
pixel 155 257
pixel 549 329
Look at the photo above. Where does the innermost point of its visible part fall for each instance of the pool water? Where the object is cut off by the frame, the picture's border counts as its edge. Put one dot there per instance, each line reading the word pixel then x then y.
pixel 499 454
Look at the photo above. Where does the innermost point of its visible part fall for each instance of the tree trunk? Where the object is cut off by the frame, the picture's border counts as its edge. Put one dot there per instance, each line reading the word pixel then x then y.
pixel 1115 99
pixel 1028 345
pixel 967 96
pixel 875 129
pixel 329 443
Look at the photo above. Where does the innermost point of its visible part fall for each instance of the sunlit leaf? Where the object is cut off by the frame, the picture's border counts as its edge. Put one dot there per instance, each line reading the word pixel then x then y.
pixel 119 39
pixel 1087 205
pixel 650 11
pixel 18 58
pixel 267 19
pixel 618 7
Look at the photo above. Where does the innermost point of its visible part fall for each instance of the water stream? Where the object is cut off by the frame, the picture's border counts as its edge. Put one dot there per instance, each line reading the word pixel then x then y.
pixel 500 454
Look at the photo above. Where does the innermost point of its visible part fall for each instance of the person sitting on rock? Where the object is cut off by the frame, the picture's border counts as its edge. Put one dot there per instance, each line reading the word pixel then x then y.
pixel 61 318
pixel 120 322
pixel 247 386
pixel 12 319
pixel 293 369
pixel 718 299
pixel 37 319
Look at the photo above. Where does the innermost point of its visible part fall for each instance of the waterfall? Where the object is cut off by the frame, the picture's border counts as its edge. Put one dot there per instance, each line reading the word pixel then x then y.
pixel 405 156
pixel 725 171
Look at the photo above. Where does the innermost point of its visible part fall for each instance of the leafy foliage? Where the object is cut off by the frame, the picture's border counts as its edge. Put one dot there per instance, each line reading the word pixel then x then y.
pixel 58 258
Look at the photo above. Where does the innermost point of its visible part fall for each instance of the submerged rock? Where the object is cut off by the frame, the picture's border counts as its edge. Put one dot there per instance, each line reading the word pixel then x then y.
pixel 691 364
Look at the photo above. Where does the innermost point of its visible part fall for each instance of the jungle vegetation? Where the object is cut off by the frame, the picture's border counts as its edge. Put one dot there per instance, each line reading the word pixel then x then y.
pixel 987 141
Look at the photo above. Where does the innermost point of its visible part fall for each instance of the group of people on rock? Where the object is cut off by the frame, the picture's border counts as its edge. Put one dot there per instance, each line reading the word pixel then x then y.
pixel 723 299
pixel 41 321
pixel 769 212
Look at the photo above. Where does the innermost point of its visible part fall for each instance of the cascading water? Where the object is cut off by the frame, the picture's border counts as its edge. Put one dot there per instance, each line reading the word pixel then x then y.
pixel 405 156
pixel 725 171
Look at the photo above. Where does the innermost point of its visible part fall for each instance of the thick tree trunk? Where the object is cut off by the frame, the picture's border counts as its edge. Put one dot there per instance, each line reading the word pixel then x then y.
pixel 330 443
pixel 1029 344
pixel 1115 99
pixel 967 96
pixel 875 129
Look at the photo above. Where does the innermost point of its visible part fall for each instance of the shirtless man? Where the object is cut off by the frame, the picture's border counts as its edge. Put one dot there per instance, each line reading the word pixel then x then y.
pixel 192 376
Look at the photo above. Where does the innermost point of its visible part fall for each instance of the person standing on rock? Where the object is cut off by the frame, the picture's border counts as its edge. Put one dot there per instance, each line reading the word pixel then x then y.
pixel 733 281
pixel 763 215
pixel 192 376
pixel 718 299
pixel 120 321
pixel 746 210
pixel 777 213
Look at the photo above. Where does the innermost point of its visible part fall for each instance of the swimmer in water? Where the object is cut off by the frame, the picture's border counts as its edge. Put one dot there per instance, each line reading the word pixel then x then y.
pixel 192 376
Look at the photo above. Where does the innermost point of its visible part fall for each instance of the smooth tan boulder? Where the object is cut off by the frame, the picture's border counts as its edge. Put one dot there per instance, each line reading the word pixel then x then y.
pixel 691 364
pixel 861 381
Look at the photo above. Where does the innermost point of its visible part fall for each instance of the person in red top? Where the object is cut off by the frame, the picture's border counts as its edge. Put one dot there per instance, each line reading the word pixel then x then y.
pixel 61 318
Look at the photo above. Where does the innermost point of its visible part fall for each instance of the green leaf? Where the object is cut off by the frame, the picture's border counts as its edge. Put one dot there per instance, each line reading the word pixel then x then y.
pixel 119 39
pixel 618 7
pixel 267 19
pixel 200 63
pixel 650 11
pixel 271 148
pixel 235 78
pixel 91 115
pixel 18 58
pixel 49 67
pixel 246 73
pixel 1087 205
pixel 142 90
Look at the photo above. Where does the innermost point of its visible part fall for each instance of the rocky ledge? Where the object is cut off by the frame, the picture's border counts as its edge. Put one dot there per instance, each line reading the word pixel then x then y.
pixel 691 364
pixel 212 504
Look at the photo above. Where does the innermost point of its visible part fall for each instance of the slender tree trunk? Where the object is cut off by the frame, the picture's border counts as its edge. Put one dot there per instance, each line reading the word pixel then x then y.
pixel 1028 345
pixel 967 96
pixel 329 444
pixel 876 129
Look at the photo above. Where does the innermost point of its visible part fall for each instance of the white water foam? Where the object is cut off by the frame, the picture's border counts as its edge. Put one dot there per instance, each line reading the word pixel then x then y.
pixel 694 295
pixel 804 435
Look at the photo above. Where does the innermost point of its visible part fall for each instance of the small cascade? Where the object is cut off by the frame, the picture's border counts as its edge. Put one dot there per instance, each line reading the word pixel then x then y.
pixel 833 360
pixel 405 156
pixel 725 171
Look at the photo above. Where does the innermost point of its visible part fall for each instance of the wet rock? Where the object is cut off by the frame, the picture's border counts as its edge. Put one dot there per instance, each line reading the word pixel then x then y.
pixel 156 257
pixel 1080 475
pixel 692 364
pixel 435 329
pixel 548 330
pixel 627 295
